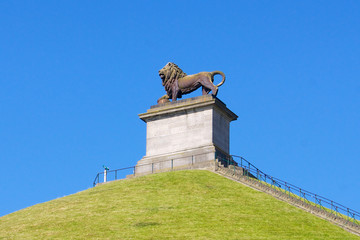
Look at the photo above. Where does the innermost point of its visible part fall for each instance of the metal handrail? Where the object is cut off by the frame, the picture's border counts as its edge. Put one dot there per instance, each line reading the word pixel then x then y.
pixel 305 195
pixel 249 165
pixel 97 178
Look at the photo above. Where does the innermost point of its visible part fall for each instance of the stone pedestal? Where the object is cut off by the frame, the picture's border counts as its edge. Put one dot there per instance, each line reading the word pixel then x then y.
pixel 185 134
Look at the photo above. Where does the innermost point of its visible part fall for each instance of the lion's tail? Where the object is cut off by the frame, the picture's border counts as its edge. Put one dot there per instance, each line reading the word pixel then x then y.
pixel 220 73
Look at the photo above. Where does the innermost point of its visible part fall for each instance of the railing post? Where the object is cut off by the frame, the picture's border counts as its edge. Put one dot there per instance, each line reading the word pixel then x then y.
pixel 353 217
pixel 134 170
pixel 301 196
pixel 289 192
pixel 257 174
pixel 172 164
pixel 152 167
pixel 192 159
pixel 241 161
pixel 336 210
pixel 115 174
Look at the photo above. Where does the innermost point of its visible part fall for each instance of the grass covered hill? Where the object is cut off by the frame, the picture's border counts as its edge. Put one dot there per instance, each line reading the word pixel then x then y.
pixel 175 205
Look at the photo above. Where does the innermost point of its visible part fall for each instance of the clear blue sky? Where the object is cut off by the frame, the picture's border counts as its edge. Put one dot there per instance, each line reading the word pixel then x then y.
pixel 75 74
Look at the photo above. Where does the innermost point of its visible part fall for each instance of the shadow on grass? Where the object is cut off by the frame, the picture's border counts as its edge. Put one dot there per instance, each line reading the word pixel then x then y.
pixel 146 224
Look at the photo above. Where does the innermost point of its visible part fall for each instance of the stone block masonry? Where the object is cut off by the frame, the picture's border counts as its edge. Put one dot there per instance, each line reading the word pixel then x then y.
pixel 186 128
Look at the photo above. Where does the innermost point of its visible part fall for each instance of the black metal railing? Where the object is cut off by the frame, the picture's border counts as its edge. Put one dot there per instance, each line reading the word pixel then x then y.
pixel 179 163
pixel 112 175
pixel 305 196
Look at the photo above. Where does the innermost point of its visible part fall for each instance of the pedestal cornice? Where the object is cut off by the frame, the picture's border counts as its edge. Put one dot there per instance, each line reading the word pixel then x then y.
pixel 186 104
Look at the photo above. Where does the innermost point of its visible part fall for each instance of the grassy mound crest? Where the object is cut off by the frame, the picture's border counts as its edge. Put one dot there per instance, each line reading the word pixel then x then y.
pixel 175 205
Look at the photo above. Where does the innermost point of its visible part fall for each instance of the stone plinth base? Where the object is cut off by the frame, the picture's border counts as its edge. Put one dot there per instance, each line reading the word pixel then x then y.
pixel 189 159
pixel 185 133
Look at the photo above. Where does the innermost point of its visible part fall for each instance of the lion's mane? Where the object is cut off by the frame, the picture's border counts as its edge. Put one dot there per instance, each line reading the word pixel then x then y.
pixel 172 73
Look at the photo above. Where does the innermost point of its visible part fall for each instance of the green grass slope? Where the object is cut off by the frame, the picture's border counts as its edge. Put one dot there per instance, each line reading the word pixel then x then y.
pixel 175 205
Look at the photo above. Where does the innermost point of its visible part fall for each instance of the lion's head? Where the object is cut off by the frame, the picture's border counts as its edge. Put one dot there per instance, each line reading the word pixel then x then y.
pixel 170 71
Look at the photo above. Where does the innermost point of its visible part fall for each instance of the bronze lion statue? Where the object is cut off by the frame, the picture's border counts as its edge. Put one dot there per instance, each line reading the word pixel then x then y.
pixel 177 83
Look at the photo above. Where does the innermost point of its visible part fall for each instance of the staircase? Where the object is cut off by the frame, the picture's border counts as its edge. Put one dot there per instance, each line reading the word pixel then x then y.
pixel 244 176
